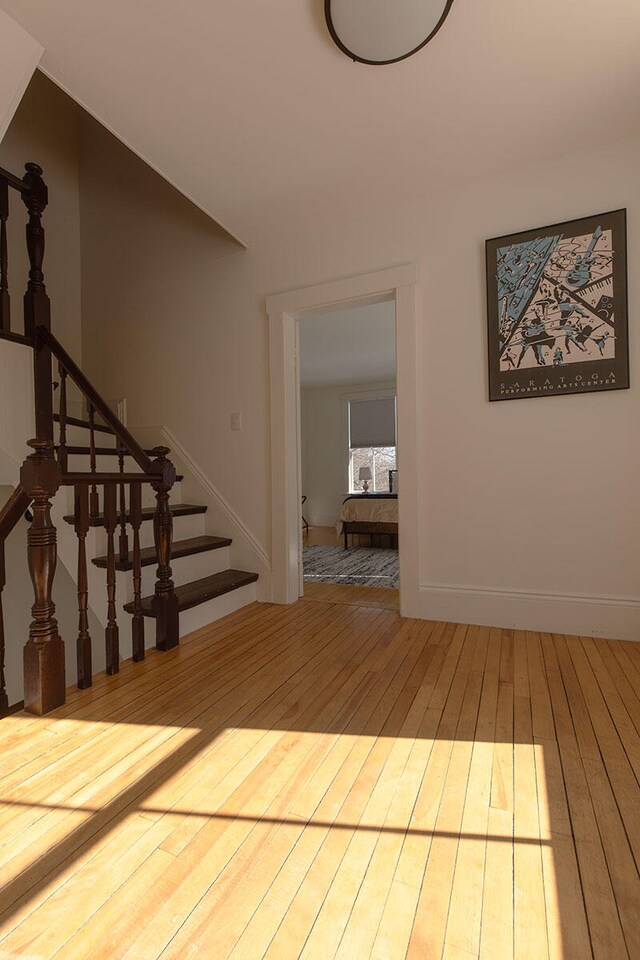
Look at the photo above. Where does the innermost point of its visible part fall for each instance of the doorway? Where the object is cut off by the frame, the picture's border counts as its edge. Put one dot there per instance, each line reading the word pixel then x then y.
pixel 399 285
pixel 349 476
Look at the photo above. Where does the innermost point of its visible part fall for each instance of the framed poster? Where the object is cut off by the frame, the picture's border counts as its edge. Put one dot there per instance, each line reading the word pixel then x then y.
pixel 557 309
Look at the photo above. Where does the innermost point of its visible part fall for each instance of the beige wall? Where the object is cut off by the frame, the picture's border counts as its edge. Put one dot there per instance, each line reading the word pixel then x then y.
pixel 45 130
pixel 150 302
pixel 517 500
pixel 324 438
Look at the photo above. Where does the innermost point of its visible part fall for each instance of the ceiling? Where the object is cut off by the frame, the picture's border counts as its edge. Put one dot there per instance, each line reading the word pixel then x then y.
pixel 249 106
pixel 356 345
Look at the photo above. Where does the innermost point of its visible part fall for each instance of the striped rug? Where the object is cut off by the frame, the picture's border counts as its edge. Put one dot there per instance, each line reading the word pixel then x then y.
pixel 363 566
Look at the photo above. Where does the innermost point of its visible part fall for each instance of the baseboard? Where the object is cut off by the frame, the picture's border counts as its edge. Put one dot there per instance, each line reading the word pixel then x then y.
pixel 322 520
pixel 617 618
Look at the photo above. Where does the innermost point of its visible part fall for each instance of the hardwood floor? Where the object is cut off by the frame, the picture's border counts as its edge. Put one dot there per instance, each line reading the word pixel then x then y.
pixel 326 780
pixel 352 595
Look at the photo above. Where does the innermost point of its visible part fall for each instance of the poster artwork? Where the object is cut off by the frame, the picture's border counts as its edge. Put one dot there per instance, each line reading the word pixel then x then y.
pixel 557 308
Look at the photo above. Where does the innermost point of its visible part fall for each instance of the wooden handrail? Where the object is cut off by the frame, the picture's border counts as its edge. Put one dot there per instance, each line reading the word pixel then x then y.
pixel 88 390
pixel 13 509
pixel 71 479
pixel 14 181
pixel 17 338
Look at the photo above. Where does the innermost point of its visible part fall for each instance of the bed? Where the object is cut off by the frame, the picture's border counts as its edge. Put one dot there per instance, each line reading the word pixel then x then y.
pixel 374 514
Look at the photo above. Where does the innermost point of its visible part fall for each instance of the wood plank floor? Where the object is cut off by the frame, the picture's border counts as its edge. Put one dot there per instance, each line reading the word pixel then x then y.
pixel 357 596
pixel 326 780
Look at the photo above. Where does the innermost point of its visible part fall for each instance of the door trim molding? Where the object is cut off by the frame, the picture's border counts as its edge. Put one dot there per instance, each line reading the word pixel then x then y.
pixel 284 309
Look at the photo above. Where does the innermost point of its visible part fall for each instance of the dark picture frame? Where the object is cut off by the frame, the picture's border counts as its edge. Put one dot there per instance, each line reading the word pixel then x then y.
pixel 557 309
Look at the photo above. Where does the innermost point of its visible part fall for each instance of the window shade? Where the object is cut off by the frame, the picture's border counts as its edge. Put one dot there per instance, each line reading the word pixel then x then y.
pixel 372 423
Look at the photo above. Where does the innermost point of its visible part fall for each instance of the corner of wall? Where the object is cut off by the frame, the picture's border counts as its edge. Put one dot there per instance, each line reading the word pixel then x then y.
pixel 21 54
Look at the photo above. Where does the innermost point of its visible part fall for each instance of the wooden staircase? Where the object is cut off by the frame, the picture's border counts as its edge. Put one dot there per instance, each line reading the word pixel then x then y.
pixel 117 486
pixel 190 592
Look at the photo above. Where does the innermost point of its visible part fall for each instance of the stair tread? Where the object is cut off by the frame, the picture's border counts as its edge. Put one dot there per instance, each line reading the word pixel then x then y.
pixel 199 591
pixel 177 510
pixel 77 422
pixel 182 548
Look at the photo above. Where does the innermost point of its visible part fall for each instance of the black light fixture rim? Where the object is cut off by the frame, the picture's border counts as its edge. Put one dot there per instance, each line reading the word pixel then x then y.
pixel 381 63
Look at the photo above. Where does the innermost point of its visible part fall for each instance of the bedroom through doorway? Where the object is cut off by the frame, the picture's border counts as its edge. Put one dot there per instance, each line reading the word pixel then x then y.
pixel 348 454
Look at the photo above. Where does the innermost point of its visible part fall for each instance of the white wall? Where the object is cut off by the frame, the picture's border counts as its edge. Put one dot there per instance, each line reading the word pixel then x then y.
pixel 16 409
pixel 518 500
pixel 324 438
pixel 19 54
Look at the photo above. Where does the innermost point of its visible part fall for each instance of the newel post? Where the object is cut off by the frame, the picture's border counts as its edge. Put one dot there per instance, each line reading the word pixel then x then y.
pixel 165 602
pixel 44 679
pixel 37 309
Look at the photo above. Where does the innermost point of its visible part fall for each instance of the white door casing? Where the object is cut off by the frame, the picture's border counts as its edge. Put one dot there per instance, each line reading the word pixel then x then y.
pixel 284 309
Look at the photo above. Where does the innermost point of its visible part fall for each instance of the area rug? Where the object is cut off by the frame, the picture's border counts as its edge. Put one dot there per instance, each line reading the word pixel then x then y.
pixel 362 567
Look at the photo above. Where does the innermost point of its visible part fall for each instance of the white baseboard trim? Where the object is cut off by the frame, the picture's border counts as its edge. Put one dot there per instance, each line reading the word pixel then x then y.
pixel 322 520
pixel 617 618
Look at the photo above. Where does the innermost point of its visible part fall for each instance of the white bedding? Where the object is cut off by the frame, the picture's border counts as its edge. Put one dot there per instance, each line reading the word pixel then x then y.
pixel 369 510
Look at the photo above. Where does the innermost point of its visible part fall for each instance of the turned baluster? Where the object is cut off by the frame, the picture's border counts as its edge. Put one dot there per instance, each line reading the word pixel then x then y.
pixel 83 643
pixel 44 680
pixel 137 624
pixel 123 541
pixel 5 306
pixel 94 506
pixel 165 602
pixel 112 639
pixel 37 310
pixel 4 702
pixel 62 445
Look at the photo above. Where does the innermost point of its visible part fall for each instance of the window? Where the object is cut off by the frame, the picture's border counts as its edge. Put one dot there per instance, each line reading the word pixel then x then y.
pixel 372 442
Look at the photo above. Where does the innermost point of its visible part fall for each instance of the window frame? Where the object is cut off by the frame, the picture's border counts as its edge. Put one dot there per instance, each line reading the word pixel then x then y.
pixel 381 393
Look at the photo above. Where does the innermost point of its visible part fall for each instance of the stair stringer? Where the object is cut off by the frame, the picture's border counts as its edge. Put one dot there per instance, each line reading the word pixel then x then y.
pixel 246 552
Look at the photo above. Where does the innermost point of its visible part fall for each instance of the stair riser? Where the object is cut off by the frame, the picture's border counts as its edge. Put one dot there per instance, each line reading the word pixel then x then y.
pixel 183 529
pixel 80 463
pixel 184 570
pixel 215 609
pixel 148 497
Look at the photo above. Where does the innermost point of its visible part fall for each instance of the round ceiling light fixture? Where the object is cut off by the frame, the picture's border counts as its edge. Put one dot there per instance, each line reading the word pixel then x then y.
pixel 384 31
